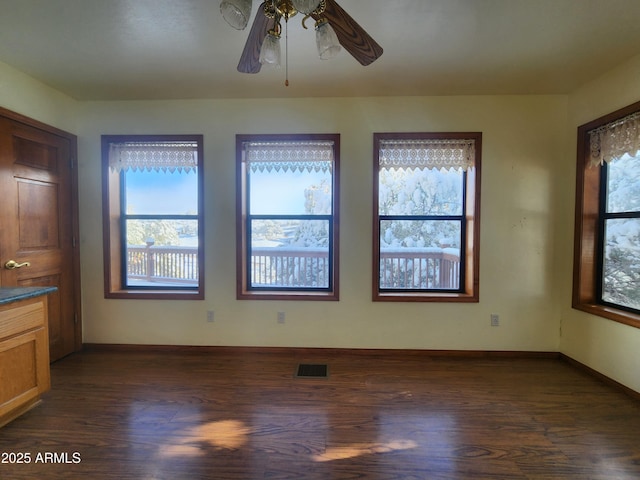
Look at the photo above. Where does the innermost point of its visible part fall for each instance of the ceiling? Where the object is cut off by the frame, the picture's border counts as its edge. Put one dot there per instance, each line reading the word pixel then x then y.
pixel 183 49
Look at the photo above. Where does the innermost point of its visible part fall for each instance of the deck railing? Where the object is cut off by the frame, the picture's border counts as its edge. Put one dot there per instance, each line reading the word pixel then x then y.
pixel 157 265
pixel 289 267
pixel 404 268
pixel 420 268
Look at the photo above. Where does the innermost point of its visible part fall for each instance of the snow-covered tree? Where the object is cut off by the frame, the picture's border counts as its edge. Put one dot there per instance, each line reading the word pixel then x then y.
pixel 163 232
pixel 621 282
pixel 414 192
pixel 315 233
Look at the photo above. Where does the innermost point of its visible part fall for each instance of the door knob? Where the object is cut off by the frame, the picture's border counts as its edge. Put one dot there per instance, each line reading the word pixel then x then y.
pixel 12 264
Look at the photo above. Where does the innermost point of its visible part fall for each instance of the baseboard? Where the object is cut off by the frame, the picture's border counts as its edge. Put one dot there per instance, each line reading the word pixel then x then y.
pixel 599 376
pixel 186 349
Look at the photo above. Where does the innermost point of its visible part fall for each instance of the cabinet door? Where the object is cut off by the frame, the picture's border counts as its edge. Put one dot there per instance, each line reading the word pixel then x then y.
pixel 24 370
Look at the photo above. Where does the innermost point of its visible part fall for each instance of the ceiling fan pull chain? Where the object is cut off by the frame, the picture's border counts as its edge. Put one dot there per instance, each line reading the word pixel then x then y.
pixel 286 54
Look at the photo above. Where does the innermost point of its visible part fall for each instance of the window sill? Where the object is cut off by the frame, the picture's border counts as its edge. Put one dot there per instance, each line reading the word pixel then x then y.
pixel 156 294
pixel 621 316
pixel 425 297
pixel 282 295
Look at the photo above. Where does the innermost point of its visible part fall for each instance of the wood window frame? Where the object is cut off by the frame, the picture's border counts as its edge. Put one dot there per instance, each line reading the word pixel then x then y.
pixel 587 232
pixel 111 218
pixel 243 292
pixel 470 289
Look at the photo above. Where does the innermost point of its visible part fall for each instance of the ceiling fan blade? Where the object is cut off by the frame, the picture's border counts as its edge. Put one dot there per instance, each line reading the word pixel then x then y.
pixel 250 58
pixel 353 38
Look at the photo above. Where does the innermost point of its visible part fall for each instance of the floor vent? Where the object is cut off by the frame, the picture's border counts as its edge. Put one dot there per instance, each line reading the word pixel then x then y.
pixel 306 370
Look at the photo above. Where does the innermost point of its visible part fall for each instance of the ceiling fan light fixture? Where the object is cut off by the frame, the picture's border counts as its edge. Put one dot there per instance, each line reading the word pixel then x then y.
pixel 335 30
pixel 306 6
pixel 270 50
pixel 236 12
pixel 326 40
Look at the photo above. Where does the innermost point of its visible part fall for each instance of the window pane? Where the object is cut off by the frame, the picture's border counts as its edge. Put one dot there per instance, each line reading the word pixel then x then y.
pixel 621 266
pixel 290 253
pixel 624 184
pixel 420 192
pixel 158 192
pixel 162 253
pixel 279 192
pixel 420 254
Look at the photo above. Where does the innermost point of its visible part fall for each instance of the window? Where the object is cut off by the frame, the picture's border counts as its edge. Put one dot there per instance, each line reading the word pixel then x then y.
pixel 426 216
pixel 287 216
pixel 607 240
pixel 153 216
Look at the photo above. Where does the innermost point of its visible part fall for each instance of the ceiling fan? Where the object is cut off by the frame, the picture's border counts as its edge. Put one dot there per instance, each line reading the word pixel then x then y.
pixel 334 29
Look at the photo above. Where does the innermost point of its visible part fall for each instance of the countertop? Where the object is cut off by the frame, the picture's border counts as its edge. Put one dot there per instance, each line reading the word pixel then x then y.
pixel 14 294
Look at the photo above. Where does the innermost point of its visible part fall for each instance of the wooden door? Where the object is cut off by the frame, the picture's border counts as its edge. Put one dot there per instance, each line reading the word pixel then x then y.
pixel 37 222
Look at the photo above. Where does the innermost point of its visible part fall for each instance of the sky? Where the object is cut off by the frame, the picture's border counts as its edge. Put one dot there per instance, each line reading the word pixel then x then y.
pixel 177 193
pixel 162 193
pixel 282 193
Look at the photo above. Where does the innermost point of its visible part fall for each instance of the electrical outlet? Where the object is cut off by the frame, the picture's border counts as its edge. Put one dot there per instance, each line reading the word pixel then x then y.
pixel 210 317
pixel 495 320
pixel 280 317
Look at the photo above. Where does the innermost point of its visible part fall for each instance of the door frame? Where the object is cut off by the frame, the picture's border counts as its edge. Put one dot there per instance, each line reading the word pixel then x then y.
pixel 74 213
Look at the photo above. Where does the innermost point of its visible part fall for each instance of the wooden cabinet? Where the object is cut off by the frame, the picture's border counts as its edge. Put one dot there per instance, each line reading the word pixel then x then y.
pixel 24 356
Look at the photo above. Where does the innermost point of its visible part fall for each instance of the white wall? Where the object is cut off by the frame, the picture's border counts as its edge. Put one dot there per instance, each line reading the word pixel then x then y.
pixel 604 345
pixel 522 143
pixel 22 94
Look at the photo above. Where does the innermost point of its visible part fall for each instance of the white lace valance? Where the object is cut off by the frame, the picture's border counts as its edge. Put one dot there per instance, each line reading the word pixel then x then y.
pixel 614 139
pixel 311 156
pixel 154 156
pixel 426 153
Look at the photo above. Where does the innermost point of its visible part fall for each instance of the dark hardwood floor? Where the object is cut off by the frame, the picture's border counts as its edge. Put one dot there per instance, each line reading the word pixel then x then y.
pixel 224 414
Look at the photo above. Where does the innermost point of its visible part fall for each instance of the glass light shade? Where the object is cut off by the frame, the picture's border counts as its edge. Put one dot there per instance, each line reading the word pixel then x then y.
pixel 270 51
pixel 236 12
pixel 327 41
pixel 305 6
